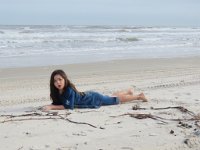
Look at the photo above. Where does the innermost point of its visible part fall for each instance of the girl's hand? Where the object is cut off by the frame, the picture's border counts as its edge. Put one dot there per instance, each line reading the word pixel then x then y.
pixel 47 108
pixel 53 107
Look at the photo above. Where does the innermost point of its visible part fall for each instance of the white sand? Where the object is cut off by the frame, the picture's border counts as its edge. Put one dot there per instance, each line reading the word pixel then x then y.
pixel 165 82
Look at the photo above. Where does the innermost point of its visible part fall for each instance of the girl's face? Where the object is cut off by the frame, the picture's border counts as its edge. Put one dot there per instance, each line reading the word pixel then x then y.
pixel 59 82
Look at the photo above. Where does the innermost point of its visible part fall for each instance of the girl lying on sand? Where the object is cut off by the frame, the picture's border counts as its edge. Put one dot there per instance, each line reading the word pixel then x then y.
pixel 65 95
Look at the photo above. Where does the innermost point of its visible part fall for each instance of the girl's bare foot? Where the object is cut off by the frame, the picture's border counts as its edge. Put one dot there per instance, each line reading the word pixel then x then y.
pixel 142 97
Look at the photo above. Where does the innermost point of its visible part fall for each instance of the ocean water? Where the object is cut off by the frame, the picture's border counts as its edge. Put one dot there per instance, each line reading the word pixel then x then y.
pixel 22 46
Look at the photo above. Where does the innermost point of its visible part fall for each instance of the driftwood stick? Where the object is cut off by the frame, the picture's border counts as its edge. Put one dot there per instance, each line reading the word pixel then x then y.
pixel 145 116
pixel 23 115
pixel 22 119
pixel 34 114
pixel 142 116
pixel 76 121
pixel 182 109
pixel 51 115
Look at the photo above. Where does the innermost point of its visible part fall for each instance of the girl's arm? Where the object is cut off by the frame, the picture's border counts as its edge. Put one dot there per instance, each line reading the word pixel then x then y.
pixel 68 100
pixel 53 107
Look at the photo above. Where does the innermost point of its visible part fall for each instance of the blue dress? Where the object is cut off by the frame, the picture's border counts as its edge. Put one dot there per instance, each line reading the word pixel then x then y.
pixel 70 99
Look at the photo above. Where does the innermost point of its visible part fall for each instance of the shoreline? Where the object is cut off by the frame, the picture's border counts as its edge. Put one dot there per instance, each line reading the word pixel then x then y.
pixel 34 61
pixel 134 60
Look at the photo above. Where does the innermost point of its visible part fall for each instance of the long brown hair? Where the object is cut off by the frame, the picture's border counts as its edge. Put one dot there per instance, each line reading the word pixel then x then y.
pixel 54 93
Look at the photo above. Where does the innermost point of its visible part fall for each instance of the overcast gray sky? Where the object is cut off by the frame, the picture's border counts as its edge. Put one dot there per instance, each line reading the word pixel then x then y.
pixel 100 12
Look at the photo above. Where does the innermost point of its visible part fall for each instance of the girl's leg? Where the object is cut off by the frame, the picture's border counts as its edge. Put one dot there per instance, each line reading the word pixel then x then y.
pixel 127 98
pixel 125 92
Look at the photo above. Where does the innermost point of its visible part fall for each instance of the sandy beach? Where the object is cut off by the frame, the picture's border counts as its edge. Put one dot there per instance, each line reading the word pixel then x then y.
pixel 171 120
